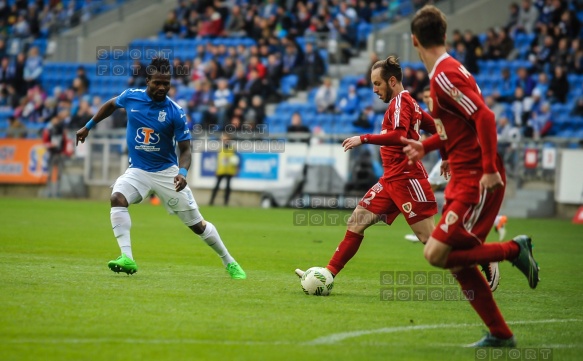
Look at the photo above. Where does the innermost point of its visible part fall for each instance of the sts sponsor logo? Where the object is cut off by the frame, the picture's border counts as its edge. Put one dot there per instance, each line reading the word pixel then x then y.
pixel 38 161
pixel 146 139
pixel 147 136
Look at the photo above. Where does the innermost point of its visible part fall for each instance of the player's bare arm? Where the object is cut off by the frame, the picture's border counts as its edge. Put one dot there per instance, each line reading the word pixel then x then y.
pixel 105 111
pixel 184 160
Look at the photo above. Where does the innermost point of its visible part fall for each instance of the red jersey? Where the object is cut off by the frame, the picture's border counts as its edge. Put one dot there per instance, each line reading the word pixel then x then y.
pixel 404 118
pixel 458 109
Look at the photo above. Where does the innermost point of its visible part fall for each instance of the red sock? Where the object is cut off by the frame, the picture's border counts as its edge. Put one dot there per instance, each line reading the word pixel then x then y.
pixel 486 253
pixel 345 251
pixel 478 293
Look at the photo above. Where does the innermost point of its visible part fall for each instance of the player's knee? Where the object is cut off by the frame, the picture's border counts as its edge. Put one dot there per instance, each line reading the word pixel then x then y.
pixel 198 228
pixel 118 200
pixel 435 259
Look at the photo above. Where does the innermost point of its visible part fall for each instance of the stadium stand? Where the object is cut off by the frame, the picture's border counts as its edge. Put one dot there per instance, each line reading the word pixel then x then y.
pixel 291 50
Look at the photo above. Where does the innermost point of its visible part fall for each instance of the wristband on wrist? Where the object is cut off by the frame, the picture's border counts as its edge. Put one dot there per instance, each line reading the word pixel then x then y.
pixel 90 124
pixel 183 172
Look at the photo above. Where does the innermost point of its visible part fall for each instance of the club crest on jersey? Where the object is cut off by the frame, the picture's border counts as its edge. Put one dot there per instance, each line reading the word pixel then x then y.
pixel 407 207
pixel 456 94
pixel 450 218
pixel 162 116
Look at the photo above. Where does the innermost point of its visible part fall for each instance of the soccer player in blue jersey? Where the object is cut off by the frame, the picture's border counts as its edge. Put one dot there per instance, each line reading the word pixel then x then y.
pixel 156 124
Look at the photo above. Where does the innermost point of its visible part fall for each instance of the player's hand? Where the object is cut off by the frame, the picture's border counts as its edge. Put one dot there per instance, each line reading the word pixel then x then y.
pixel 413 149
pixel 179 182
pixel 351 142
pixel 491 182
pixel 81 135
pixel 445 169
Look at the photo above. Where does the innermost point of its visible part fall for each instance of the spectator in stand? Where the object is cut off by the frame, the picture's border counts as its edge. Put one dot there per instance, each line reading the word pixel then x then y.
pixel 82 116
pixel 421 81
pixel 540 123
pixel 138 75
pixel 255 64
pixel 490 44
pixel 6 72
pixel 498 109
pixel 256 113
pixel 503 46
pixel 521 106
pixel 55 140
pixel 473 51
pixel 313 67
pixel 291 61
pixel 578 108
pixel 513 13
pixel 508 139
pixel 561 55
pixel 365 119
pixel 568 26
pixel 527 17
pixel 297 131
pixel 409 80
pixel 524 81
pixel 559 86
pixel 274 74
pixel 350 102
pixel 16 129
pixel 456 38
pixel 542 55
pixel 210 119
pixel 363 11
pixel 575 59
pixel 211 24
pixel 235 26
pixel 238 82
pixel 33 67
pixel 326 97
pixel 542 85
pixel 171 26
pixel 192 25
pixel 222 99
pixel 201 100
pixel 254 85
pixel 82 76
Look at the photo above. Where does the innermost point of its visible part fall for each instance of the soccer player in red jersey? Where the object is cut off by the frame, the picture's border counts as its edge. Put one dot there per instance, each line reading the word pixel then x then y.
pixel 403 188
pixel 467 130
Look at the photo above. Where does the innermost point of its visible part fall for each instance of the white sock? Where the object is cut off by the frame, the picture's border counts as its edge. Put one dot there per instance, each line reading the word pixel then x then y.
pixel 121 224
pixel 496 221
pixel 212 238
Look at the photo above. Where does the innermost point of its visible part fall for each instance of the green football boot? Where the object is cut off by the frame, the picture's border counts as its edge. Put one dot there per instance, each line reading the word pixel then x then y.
pixel 123 264
pixel 236 271
pixel 525 261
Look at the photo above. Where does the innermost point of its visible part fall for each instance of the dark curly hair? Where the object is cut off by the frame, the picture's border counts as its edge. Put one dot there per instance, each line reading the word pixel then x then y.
pixel 160 65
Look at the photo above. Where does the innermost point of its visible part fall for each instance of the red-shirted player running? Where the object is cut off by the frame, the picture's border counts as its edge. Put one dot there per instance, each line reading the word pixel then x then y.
pixel 403 188
pixel 467 130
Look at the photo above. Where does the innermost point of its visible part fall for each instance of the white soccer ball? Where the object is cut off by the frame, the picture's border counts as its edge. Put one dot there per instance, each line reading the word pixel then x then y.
pixel 317 281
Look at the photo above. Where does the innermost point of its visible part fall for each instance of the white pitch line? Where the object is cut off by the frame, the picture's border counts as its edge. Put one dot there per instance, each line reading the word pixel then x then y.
pixel 337 337
pixel 330 339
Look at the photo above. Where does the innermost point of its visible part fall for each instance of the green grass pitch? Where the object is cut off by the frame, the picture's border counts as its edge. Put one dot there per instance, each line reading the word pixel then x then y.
pixel 59 301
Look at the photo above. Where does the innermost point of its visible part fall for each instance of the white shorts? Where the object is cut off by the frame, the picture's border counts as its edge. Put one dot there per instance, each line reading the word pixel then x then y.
pixel 161 183
pixel 435 178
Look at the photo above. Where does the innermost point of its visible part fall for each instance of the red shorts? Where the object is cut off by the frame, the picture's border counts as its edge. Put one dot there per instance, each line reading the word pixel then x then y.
pixel 466 224
pixel 412 197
